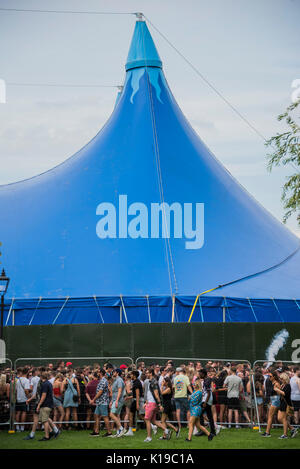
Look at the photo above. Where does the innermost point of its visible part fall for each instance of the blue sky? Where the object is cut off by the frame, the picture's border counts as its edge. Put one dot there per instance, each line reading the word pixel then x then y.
pixel 248 50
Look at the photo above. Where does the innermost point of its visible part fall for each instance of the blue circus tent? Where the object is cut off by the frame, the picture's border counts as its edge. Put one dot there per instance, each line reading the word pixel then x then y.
pixel 144 224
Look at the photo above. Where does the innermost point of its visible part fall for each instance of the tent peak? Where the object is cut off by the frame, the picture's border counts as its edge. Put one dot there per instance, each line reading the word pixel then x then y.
pixel 142 52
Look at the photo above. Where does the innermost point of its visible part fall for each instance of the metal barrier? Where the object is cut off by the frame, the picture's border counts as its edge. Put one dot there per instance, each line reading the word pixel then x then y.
pixel 76 362
pixel 244 368
pixel 263 366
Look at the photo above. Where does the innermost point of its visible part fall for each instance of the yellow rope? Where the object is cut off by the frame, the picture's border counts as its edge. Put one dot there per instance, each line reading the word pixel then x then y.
pixel 203 293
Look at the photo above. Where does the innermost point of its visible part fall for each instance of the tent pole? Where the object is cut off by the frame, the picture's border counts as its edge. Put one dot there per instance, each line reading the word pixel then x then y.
pixel 148 305
pixel 173 307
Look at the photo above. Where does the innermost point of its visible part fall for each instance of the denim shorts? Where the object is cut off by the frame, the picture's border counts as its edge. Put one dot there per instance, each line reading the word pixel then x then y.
pixel 275 401
pixel 117 410
pixel 102 410
pixel 182 403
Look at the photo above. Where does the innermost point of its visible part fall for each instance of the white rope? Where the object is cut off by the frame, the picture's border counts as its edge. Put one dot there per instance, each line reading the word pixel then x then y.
pixel 148 305
pixel 173 308
pixel 100 314
pixel 40 299
pixel 60 310
pixel 160 182
pixel 277 309
pixel 124 310
pixel 249 301
pixel 201 311
pixel 9 312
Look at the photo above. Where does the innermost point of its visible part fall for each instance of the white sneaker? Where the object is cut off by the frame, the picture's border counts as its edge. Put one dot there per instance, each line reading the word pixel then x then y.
pixel 129 433
pixel 147 440
pixel 238 427
pixel 218 429
pixel 121 432
pixel 195 430
pixel 154 429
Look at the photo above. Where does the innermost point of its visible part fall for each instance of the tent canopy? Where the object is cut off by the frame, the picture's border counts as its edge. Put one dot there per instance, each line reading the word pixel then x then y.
pixel 144 209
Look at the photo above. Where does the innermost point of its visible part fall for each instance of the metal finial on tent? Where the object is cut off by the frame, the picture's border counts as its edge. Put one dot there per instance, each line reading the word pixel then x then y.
pixel 139 16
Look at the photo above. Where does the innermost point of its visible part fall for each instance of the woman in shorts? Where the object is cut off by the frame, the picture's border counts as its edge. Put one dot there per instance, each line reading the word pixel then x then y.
pixel 196 411
pixel 285 401
pixel 220 395
pixel 274 401
pixel 128 400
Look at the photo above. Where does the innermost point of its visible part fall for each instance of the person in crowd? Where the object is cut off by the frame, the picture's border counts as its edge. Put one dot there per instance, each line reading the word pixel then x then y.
pixel 207 402
pixel 141 368
pixel 58 409
pixel 22 395
pixel 153 405
pixel 221 395
pixel 4 398
pixel 118 391
pixel 90 393
pixel 135 399
pixel 109 370
pixel 45 406
pixel 31 402
pixel 295 393
pixel 71 397
pixel 163 373
pixel 82 403
pixel 166 391
pixel 182 386
pixel 273 385
pixel 101 399
pixel 234 386
pixel 196 408
pixel 285 402
pixel 128 399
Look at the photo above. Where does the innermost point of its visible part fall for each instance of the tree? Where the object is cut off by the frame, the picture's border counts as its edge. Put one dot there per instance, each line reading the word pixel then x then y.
pixel 286 151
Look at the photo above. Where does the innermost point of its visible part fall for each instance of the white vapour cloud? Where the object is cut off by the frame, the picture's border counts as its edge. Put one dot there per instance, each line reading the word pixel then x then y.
pixel 278 341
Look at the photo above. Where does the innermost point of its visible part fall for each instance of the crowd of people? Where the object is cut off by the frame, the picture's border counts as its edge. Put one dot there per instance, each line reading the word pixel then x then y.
pixel 205 397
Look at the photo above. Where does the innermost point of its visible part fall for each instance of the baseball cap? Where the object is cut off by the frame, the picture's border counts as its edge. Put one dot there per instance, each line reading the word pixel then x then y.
pixel 123 367
pixel 178 369
pixel 69 363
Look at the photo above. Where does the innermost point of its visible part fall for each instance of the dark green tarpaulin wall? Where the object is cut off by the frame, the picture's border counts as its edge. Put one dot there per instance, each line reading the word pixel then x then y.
pixel 208 340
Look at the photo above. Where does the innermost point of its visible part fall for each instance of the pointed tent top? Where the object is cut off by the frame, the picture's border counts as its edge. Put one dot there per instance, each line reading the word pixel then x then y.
pixel 142 52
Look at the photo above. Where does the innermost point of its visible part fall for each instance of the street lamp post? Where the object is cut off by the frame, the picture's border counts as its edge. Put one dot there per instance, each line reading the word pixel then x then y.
pixel 4 281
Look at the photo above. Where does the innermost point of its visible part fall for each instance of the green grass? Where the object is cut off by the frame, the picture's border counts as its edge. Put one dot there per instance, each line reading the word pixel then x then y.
pixel 227 439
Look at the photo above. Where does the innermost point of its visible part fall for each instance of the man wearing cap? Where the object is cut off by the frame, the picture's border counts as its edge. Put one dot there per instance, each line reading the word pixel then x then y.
pixel 118 389
pixel 181 387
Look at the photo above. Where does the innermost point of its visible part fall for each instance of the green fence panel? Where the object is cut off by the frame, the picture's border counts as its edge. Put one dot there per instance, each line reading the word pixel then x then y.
pixel 248 341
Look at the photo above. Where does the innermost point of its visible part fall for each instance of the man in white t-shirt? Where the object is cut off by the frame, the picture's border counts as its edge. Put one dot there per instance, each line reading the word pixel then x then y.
pixel 22 394
pixel 34 381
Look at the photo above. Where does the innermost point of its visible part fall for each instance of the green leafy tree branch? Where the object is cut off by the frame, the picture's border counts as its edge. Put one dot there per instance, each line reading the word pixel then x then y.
pixel 286 151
